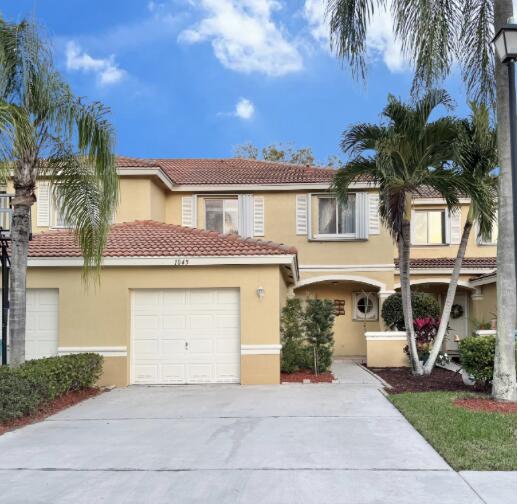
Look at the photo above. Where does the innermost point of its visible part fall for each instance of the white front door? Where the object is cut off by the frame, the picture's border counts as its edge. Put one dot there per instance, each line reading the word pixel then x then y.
pixel 185 336
pixel 458 326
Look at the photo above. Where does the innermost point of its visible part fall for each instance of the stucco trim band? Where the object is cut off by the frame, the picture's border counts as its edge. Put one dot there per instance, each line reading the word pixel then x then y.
pixel 385 335
pixel 261 349
pixel 107 351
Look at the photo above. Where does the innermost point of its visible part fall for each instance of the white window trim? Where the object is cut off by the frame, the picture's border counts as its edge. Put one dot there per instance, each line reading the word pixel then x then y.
pixel 359 317
pixel 335 236
pixel 221 197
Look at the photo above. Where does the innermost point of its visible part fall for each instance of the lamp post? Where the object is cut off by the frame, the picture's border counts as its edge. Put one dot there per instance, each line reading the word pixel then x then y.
pixel 505 47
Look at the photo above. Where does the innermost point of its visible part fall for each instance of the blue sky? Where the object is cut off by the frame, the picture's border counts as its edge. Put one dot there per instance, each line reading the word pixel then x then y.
pixel 195 78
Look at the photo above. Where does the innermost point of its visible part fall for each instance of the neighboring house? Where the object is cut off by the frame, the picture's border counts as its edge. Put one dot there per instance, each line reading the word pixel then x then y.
pixel 195 275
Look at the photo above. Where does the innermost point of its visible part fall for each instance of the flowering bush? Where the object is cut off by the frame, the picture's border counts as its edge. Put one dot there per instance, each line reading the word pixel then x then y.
pixel 426 329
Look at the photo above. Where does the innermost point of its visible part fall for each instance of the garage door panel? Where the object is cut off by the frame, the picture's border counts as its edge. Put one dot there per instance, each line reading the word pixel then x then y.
pixel 195 332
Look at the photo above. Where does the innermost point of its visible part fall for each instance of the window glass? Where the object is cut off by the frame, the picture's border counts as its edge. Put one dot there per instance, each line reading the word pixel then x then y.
pixel 429 227
pixel 335 218
pixel 365 304
pixel 221 215
pixel 327 216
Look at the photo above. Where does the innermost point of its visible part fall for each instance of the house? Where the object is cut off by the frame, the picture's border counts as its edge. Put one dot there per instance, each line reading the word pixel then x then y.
pixel 203 254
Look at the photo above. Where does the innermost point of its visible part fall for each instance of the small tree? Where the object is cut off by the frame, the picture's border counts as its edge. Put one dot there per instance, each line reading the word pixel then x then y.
pixel 292 336
pixel 318 324
pixel 423 306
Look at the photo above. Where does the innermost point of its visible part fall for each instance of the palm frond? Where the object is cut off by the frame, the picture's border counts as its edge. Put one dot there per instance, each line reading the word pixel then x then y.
pixel 361 137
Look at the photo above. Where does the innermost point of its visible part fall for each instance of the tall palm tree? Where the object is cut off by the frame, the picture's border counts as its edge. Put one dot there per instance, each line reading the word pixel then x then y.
pixel 476 157
pixel 59 137
pixel 438 36
pixel 402 155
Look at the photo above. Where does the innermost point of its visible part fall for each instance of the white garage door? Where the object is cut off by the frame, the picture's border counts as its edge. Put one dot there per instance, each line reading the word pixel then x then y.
pixel 41 337
pixel 185 336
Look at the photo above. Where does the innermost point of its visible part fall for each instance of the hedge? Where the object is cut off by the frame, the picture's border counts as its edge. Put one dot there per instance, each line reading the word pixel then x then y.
pixel 24 389
pixel 477 356
pixel 423 305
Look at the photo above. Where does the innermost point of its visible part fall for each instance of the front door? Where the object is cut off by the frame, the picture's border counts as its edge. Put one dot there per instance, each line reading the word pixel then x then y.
pixel 458 324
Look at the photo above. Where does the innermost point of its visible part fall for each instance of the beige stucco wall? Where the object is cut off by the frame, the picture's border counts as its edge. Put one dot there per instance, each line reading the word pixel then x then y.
pixel 101 316
pixel 386 353
pixel 484 306
pixel 141 198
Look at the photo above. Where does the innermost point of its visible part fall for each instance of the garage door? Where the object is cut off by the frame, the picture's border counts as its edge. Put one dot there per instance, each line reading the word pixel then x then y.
pixel 41 337
pixel 185 336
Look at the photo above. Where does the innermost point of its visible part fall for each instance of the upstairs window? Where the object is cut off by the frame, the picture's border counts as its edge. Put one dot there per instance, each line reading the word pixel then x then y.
pixel 336 219
pixel 429 227
pixel 221 215
pixel 490 240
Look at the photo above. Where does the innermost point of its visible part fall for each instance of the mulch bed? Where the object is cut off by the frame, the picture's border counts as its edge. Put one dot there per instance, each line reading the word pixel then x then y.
pixel 55 406
pixel 402 380
pixel 486 405
pixel 299 376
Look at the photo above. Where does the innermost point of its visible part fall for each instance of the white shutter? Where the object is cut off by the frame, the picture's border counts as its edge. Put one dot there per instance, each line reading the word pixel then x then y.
pixel 362 215
pixel 258 215
pixel 301 214
pixel 374 218
pixel 245 217
pixel 43 216
pixel 188 211
pixel 455 226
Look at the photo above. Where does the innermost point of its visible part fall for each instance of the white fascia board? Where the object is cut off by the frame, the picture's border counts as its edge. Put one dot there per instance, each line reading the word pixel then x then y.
pixel 200 188
pixel 483 281
pixel 347 267
pixel 147 172
pixel 385 335
pixel 437 201
pixel 178 261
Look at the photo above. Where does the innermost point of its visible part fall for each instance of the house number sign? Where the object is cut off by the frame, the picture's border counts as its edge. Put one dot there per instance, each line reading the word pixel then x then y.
pixel 181 262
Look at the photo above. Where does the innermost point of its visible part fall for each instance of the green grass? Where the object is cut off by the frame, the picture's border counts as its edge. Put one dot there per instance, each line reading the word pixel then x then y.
pixel 468 440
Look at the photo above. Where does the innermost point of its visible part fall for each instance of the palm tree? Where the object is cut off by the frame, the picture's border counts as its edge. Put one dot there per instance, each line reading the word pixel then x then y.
pixel 438 36
pixel 405 153
pixel 59 137
pixel 476 157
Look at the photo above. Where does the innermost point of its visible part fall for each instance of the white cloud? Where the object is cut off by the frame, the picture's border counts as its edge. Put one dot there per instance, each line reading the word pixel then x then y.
pixel 106 70
pixel 244 36
pixel 245 109
pixel 380 40
pixel 314 12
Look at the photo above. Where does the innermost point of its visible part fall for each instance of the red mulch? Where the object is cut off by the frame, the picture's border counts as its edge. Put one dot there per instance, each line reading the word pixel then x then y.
pixel 487 405
pixel 299 376
pixel 402 380
pixel 55 406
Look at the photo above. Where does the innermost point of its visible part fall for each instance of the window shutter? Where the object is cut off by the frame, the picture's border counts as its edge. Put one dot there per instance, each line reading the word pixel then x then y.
pixel 43 216
pixel 374 218
pixel 245 215
pixel 455 226
pixel 301 214
pixel 188 211
pixel 362 215
pixel 258 215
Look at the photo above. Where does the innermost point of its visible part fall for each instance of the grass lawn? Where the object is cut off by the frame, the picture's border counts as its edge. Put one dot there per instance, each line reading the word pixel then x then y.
pixel 468 440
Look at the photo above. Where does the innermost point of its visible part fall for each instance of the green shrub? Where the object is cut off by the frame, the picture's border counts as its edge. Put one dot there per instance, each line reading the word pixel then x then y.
pixel 423 305
pixel 292 356
pixel 292 336
pixel 319 319
pixel 477 356
pixel 324 358
pixel 26 388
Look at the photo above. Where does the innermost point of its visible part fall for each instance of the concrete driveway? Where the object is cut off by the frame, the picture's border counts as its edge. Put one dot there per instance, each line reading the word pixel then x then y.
pixel 324 443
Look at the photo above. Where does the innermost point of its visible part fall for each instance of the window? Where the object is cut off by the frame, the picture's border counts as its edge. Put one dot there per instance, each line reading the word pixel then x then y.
pixel 58 220
pixel 490 240
pixel 221 215
pixel 429 227
pixel 365 306
pixel 335 219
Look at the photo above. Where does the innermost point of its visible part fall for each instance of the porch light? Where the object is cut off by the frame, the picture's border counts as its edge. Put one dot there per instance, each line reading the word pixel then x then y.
pixel 505 43
pixel 260 293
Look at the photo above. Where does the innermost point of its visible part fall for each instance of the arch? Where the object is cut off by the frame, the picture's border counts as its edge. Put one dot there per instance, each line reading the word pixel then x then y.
pixel 344 278
pixel 460 283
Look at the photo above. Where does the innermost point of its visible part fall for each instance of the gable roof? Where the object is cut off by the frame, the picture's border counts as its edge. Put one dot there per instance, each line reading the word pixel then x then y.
pixel 155 239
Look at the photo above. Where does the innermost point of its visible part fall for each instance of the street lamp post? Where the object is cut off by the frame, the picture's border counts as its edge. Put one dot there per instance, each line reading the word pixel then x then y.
pixel 505 46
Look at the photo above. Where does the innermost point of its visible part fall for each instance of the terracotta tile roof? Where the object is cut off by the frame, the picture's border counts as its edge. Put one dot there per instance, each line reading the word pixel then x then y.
pixel 231 171
pixel 427 192
pixel 447 262
pixel 155 239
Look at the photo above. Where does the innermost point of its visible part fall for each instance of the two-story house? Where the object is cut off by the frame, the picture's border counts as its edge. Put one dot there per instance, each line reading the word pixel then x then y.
pixel 203 254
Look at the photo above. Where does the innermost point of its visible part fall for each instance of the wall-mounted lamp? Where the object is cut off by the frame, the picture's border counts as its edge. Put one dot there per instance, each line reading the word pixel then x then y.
pixel 260 293
pixel 456 338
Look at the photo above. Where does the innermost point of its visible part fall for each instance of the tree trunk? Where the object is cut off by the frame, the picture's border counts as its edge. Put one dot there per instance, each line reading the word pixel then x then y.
pixel 504 378
pixel 450 295
pixel 406 295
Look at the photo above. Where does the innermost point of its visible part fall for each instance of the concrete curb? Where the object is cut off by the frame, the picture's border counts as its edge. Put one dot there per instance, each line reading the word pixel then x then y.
pixel 379 378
